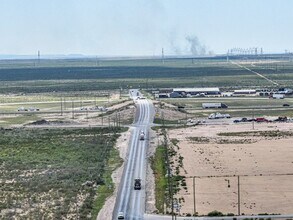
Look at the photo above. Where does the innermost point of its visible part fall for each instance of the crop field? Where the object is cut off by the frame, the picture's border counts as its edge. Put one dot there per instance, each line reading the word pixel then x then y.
pixel 25 76
pixel 55 173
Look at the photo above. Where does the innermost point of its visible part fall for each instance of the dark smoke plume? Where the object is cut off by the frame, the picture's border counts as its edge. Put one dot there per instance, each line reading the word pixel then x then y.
pixel 195 46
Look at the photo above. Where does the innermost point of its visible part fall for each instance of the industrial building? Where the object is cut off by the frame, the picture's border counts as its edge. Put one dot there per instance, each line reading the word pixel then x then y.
pixel 197 91
pixel 244 92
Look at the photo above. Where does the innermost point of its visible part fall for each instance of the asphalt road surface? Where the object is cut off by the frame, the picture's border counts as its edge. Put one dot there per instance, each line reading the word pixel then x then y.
pixel 129 201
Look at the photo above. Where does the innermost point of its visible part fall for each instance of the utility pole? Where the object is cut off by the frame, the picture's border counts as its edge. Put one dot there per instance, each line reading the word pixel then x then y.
pixel 39 57
pixel 253 119
pixel 194 207
pixel 116 119
pixel 163 118
pixel 64 103
pixel 72 106
pixel 238 195
pixel 61 107
pixel 119 120
pixel 172 199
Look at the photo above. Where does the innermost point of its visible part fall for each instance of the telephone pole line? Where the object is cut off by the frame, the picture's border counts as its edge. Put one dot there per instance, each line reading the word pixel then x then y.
pixel 238 177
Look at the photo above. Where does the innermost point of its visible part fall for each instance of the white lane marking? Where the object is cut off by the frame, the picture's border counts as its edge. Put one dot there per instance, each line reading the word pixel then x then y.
pixel 124 186
pixel 130 173
pixel 141 194
pixel 123 201
pixel 139 210
pixel 142 113
pixel 135 210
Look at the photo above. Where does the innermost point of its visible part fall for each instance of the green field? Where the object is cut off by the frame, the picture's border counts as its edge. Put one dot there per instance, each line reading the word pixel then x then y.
pixel 56 173
pixel 24 76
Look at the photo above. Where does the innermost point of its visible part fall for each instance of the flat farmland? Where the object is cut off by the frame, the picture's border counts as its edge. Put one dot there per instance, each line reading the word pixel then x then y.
pixel 217 155
pixel 90 74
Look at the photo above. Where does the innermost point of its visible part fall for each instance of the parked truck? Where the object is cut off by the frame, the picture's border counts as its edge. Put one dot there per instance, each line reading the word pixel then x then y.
pixel 218 116
pixel 137 184
pixel 214 105
pixel 141 135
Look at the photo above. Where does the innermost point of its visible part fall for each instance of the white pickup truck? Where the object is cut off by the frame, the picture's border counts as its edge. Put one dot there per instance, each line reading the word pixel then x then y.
pixel 121 215
pixel 141 135
pixel 218 116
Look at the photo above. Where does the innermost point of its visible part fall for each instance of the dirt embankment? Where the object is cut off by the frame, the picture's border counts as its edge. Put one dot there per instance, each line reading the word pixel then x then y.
pixel 169 112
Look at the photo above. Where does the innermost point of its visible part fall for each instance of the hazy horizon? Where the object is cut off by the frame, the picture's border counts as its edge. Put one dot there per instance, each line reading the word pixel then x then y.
pixel 143 28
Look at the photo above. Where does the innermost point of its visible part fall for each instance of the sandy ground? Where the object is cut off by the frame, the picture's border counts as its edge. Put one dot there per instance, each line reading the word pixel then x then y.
pixel 123 111
pixel 169 112
pixel 261 162
pixel 122 146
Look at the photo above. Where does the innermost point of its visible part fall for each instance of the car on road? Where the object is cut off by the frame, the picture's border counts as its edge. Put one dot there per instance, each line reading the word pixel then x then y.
pixel 286 105
pixel 121 215
pixel 261 120
pixel 137 184
pixel 141 136
pixel 282 119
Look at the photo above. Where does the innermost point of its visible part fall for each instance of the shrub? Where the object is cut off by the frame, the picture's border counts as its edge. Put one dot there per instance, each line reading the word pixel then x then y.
pixel 215 213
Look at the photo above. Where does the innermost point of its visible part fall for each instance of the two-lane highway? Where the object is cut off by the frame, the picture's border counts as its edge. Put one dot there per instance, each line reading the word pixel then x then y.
pixel 129 201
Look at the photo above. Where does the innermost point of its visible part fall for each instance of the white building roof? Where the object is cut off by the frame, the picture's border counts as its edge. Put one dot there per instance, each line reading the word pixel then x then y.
pixel 196 90
pixel 245 90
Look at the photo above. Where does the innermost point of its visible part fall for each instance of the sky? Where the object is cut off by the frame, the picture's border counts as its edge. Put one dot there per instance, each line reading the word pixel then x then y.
pixel 144 27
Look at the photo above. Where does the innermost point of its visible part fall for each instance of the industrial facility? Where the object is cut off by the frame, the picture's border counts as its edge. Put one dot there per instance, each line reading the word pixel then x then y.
pixel 214 91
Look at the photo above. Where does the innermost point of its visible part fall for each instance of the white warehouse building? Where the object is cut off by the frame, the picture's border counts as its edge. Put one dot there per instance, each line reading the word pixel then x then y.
pixel 195 91
pixel 244 91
